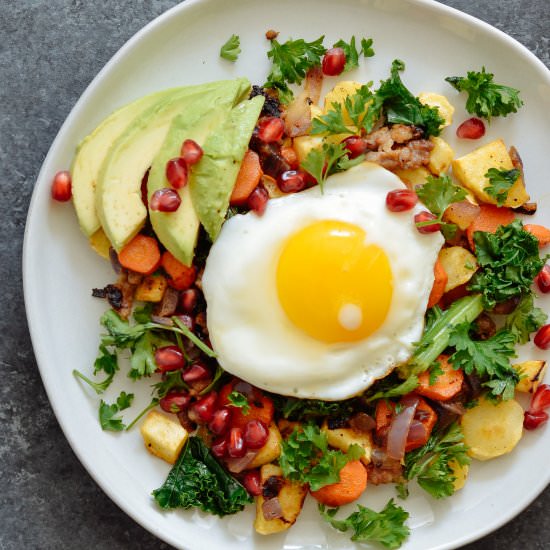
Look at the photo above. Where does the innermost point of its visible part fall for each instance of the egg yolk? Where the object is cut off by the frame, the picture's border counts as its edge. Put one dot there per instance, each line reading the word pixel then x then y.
pixel 332 284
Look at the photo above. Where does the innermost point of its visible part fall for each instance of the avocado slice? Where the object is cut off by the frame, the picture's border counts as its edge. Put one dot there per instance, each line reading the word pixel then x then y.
pixel 118 193
pixel 178 230
pixel 213 177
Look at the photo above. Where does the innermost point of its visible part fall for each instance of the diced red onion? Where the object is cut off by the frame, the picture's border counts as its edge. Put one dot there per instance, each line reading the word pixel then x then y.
pixel 237 465
pixel 272 509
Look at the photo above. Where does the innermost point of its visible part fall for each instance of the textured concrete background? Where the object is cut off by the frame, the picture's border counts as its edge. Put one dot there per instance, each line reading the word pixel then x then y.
pixel 49 52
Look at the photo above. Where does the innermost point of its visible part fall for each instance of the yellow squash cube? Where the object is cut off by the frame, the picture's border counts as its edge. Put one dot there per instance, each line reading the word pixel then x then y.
pixel 163 436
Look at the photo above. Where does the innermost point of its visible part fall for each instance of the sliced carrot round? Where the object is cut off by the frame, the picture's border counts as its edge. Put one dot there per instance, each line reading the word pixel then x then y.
pixel 353 481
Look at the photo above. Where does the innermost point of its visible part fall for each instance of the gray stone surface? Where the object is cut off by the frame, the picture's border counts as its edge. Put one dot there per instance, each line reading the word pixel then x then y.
pixel 49 52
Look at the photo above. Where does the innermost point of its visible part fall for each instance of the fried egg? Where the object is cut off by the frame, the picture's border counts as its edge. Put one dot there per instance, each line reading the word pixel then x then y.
pixel 325 292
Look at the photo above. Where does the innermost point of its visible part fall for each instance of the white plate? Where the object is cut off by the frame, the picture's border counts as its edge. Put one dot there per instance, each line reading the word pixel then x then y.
pixel 181 47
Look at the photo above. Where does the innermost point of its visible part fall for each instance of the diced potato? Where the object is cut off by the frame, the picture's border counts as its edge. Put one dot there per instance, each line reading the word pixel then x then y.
pixel 446 110
pixel 163 436
pixel 460 472
pixel 342 438
pixel 304 144
pixel 492 430
pixel 291 498
pixel 100 243
pixel 413 176
pixel 338 94
pixel 459 264
pixel 151 288
pixel 270 451
pixel 533 372
pixel 470 170
pixel 441 156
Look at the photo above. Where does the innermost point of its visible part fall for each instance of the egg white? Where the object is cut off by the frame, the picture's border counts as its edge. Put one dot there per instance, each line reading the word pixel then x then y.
pixel 249 330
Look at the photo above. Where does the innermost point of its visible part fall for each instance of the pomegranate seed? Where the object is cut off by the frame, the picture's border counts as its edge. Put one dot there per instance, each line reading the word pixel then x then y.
pixel 62 187
pixel 257 200
pixel 220 421
pixel 197 371
pixel 235 443
pixel 355 145
pixel 424 216
pixel 334 61
pixel 270 129
pixel 256 434
pixel 169 358
pixel 165 200
pixel 202 410
pixel 176 173
pixel 219 447
pixel 543 279
pixel 189 300
pixel 473 128
pixel 188 321
pixel 252 482
pixel 291 181
pixel 541 399
pixel 542 337
pixel 401 200
pixel 534 419
pixel 290 156
pixel 191 152
pixel 175 401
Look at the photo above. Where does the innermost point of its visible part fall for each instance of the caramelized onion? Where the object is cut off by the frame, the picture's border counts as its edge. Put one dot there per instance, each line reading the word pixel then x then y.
pixel 271 509
pixel 237 465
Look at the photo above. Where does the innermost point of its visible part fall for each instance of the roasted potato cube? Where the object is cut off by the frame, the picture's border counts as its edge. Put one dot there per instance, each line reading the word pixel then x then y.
pixel 304 144
pixel 470 170
pixel 271 450
pixel 151 288
pixel 413 176
pixel 342 438
pixel 291 499
pixel 163 436
pixel 492 430
pixel 100 243
pixel 338 94
pixel 441 156
pixel 533 372
pixel 460 472
pixel 446 110
pixel 459 264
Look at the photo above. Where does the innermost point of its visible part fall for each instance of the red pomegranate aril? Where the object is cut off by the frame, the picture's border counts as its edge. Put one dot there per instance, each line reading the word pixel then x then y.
pixel 542 337
pixel 62 186
pixel 541 399
pixel 221 421
pixel 219 447
pixel 423 217
pixel 401 200
pixel 175 401
pixel 270 129
pixel 169 358
pixel 188 300
pixel 543 279
pixel 291 181
pixel 191 152
pixel 197 371
pixel 334 61
pixel 252 482
pixel 534 419
pixel 355 145
pixel 176 173
pixel 257 200
pixel 165 200
pixel 236 447
pixel 202 410
pixel 256 434
pixel 473 128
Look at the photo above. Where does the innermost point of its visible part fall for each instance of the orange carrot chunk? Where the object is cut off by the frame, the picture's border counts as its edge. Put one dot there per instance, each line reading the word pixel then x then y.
pixel 180 276
pixel 540 232
pixel 247 179
pixel 490 218
pixel 446 386
pixel 353 481
pixel 440 281
pixel 141 254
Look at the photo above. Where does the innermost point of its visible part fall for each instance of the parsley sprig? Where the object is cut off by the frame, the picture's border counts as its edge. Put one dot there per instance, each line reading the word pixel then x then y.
pixel 500 182
pixel 352 53
pixel 525 319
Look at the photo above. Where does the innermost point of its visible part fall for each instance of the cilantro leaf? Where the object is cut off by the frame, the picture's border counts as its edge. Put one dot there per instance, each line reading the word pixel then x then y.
pixel 486 98
pixel 107 413
pixel 500 182
pixel 239 400
pixel 231 49
pixel 525 319
pixel 106 362
pixel 142 361
pixel 386 527
pixel 120 333
pixel 432 464
pixel 351 52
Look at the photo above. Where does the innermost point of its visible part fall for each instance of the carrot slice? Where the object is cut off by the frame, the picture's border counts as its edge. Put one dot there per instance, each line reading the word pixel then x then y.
pixel 353 481
pixel 446 386
pixel 180 276
pixel 247 179
pixel 540 232
pixel 141 254
pixel 440 281
pixel 490 218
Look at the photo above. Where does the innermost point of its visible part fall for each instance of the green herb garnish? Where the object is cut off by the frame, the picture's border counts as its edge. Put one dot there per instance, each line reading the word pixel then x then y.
pixel 500 182
pixel 231 49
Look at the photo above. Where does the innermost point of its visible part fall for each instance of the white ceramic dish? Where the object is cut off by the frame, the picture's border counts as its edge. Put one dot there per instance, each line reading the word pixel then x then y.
pixel 181 47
